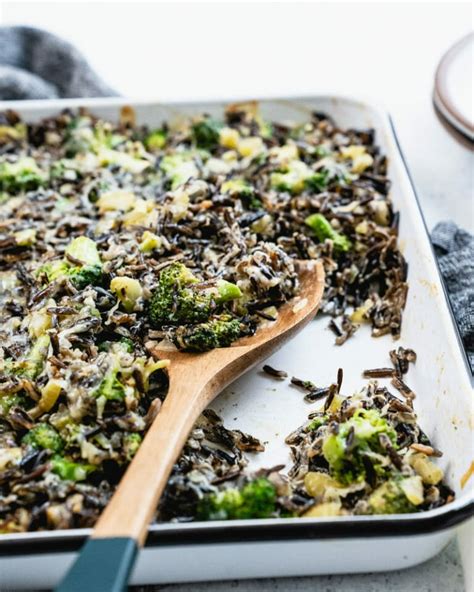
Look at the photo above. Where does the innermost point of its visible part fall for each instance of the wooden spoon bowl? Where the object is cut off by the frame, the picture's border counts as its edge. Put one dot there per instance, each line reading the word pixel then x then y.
pixel 194 381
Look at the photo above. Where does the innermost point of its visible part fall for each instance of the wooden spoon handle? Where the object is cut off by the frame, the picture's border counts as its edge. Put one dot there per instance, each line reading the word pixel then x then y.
pixel 131 509
pixel 106 560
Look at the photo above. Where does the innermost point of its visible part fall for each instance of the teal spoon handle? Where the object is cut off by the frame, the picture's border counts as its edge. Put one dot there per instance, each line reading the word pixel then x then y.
pixel 103 565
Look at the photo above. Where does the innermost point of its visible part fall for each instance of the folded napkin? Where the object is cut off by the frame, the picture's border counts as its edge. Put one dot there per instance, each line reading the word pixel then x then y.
pixel 455 250
pixel 35 64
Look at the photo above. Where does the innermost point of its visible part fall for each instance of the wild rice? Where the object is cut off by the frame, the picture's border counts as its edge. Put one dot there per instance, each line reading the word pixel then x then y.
pixel 273 372
pixel 239 200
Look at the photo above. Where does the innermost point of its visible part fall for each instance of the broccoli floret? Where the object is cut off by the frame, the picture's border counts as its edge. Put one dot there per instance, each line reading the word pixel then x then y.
pixel 44 436
pixel 70 470
pixel 397 496
pixel 206 133
pixel 12 400
pixel 110 387
pixel 86 276
pixel 346 462
pixel 127 344
pixel 218 332
pixel 318 181
pixel 131 444
pixel 323 230
pixel 176 299
pixel 23 175
pixel 155 140
pixel 82 249
pixel 296 176
pixel 292 179
pixel 257 499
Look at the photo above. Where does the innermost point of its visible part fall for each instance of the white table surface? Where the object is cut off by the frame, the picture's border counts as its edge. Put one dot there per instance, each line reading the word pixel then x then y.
pixel 383 51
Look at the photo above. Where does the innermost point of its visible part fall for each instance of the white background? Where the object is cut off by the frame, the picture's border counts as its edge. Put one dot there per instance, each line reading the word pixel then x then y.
pixel 384 51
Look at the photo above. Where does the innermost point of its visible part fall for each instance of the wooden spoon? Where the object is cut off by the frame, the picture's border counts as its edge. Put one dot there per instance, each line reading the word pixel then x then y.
pixel 105 561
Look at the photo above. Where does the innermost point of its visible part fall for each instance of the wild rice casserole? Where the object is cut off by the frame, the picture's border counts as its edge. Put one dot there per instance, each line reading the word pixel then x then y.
pixel 115 237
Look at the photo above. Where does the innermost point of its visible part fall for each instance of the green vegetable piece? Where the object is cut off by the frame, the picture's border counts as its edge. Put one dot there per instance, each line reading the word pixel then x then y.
pixel 12 400
pixel 44 436
pixel 54 270
pixel 206 133
pixel 297 176
pixel 176 300
pixel 70 470
pixel 155 140
pixel 217 332
pixel 346 463
pixel 316 423
pixel 266 128
pixel 149 242
pixel 318 181
pixel 257 499
pixel 79 276
pixel 179 168
pixel 131 444
pixel 32 365
pixel 111 388
pixel 22 175
pixel 86 276
pixel 227 291
pixel 128 291
pixel 254 204
pixel 323 230
pixel 322 151
pixel 243 190
pixel 389 498
pixel 127 344
pixel 237 188
pixel 64 170
pixel 84 250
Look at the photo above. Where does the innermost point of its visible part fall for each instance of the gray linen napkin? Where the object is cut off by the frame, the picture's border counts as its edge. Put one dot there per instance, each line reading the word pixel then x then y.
pixel 455 250
pixel 35 64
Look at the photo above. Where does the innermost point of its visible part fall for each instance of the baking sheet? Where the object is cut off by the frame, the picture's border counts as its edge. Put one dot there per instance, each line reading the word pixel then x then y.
pixel 270 409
